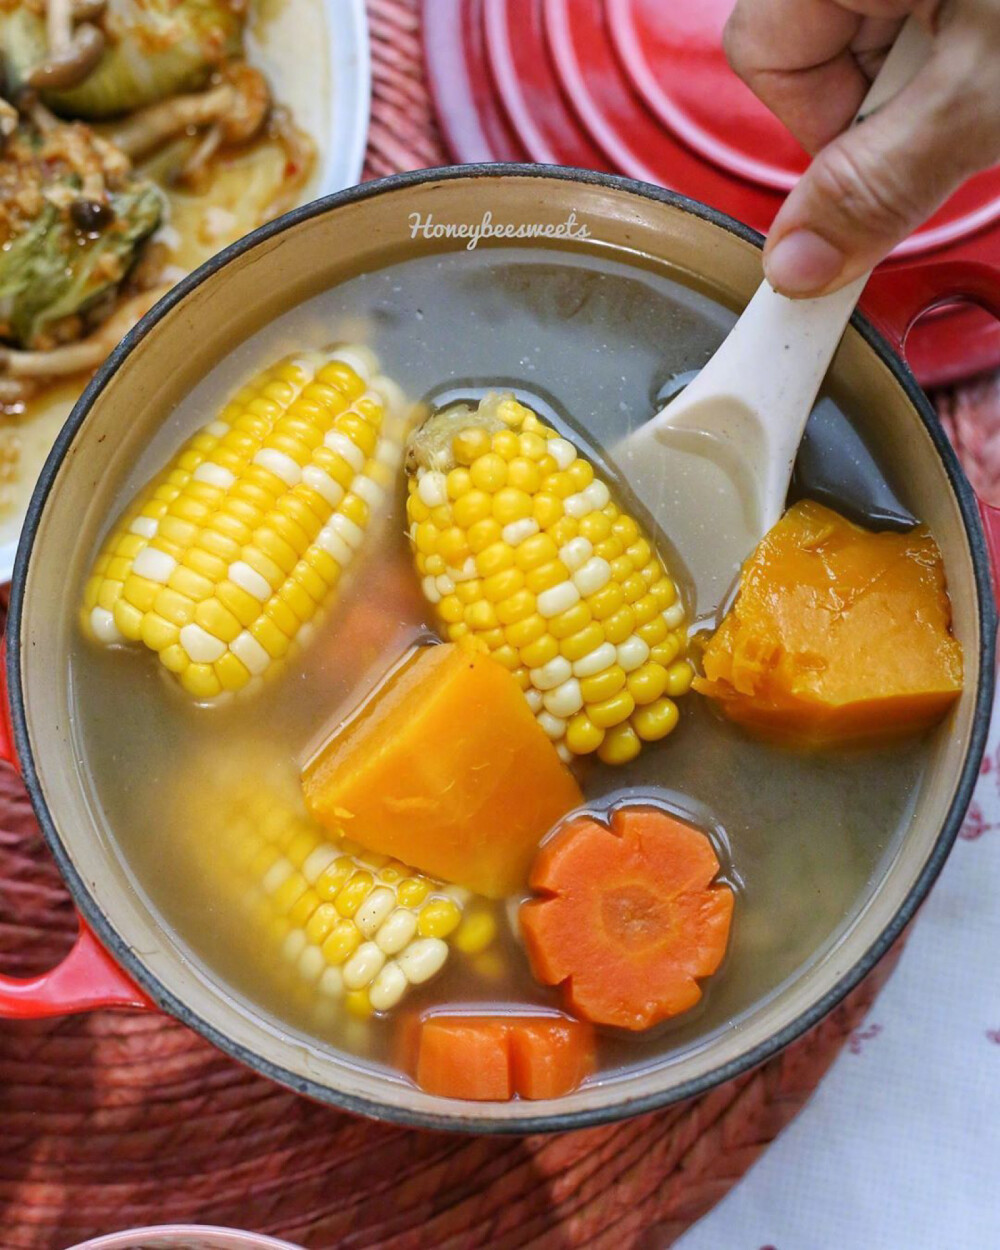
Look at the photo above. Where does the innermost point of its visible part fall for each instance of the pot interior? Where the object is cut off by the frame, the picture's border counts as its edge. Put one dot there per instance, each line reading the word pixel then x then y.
pixel 815 907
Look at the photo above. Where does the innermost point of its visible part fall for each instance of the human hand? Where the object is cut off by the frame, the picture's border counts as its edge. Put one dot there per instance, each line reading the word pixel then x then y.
pixel 811 62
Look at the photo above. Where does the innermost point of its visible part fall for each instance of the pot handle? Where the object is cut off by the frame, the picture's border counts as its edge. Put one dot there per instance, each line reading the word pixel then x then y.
pixel 897 296
pixel 87 977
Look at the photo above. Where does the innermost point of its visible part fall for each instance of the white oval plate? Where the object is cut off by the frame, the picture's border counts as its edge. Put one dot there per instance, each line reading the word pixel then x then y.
pixel 340 130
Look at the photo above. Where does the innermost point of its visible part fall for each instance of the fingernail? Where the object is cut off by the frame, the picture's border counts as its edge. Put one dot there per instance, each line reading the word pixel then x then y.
pixel 802 262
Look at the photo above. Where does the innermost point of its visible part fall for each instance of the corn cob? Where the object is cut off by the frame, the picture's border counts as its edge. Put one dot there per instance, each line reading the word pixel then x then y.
pixel 226 557
pixel 525 555
pixel 359 928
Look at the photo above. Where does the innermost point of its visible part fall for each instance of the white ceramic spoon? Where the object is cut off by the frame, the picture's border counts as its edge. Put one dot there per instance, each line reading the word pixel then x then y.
pixel 713 467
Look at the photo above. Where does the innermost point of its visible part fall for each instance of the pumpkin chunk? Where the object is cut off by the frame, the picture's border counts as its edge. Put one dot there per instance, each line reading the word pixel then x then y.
pixel 446 768
pixel 837 634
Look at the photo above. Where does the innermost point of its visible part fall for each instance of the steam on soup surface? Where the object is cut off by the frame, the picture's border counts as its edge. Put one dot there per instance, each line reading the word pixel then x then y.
pixel 586 342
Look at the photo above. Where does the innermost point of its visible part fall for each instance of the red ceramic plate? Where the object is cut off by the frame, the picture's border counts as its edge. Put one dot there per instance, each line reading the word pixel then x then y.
pixel 474 125
pixel 539 114
pixel 672 56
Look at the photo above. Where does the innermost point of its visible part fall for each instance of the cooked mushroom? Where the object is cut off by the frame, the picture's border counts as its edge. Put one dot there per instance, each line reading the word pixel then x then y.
pixel 72 63
pixel 238 106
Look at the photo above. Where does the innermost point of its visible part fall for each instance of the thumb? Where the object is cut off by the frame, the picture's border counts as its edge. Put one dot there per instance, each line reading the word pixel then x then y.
pixel 879 180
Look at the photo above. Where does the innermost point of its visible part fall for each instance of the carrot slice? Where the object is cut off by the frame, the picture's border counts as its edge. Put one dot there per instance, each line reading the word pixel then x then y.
pixel 628 918
pixel 491 1058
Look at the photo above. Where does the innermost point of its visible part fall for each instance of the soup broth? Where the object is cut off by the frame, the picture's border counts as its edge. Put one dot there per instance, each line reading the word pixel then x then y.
pixel 588 342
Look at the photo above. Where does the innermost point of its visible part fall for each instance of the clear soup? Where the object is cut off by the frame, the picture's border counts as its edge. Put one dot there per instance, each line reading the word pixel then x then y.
pixel 590 342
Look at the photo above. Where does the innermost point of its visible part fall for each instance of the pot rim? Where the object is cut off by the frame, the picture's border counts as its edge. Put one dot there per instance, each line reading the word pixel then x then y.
pixel 102 925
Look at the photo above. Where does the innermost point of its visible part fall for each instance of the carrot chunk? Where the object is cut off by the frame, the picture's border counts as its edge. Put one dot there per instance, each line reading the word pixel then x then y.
pixel 445 768
pixel 628 919
pixel 492 1058
pixel 461 1057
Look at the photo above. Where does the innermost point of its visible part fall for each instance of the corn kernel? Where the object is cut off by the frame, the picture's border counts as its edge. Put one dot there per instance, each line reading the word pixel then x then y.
pixel 524 632
pixel 612 711
pixel 602 685
pixel 535 552
pixel 469 592
pixel 540 652
pixel 531 445
pixel 303 909
pixel 452 547
pixel 201 681
pixel 483 534
pixel 451 610
pixel 322 923
pixel 645 609
pixel 459 483
pixel 545 576
pixel 653 633
pixel 523 475
pixel 570 622
pixel 510 504
pixel 517 607
pixel 606 601
pixel 664 592
pixel 489 472
pixel 359 1004
pixel 577 645
pixel 625 529
pixel 496 558
pixel 480 616
pixel 648 682
pixel 217 620
pixel 231 672
pixel 655 720
pixel 438 918
pixel 547 509
pixel 476 932
pixel 412 891
pixel 596 527
pixel 474 506
pixel 620 625
pixel 621 745
pixel 666 652
pixel 332 880
pixel 564 530
pixel 679 678
pixel 506 444
pixel 353 893
pixel 343 940
pixel 582 735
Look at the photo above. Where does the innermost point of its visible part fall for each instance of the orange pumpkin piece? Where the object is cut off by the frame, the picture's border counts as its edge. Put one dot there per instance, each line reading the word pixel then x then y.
pixel 629 918
pixel 444 767
pixel 492 1058
pixel 837 634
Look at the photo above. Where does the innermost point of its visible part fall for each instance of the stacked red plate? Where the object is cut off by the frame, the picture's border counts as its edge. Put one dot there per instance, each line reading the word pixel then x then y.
pixel 642 88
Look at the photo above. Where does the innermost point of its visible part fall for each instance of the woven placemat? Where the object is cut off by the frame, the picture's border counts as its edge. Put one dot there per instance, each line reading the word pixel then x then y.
pixel 116 1120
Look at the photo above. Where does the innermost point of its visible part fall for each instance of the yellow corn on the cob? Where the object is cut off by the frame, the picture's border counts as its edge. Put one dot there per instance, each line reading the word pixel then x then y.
pixel 226 557
pixel 524 554
pixel 358 928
